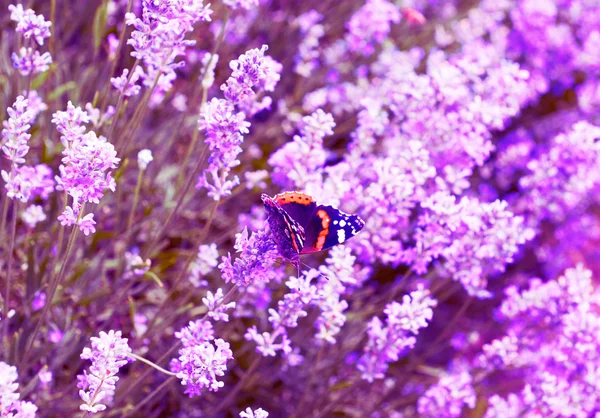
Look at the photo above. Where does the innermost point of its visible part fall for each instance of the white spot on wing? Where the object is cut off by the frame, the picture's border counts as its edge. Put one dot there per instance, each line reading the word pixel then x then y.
pixel 341 235
pixel 342 223
pixel 335 222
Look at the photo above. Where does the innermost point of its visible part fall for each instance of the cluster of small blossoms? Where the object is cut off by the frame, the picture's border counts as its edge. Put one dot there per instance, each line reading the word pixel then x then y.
pixel 326 295
pixel 560 179
pixel 135 265
pixel 225 126
pixel 109 352
pixel 201 359
pixel 370 25
pixel 257 413
pixel 474 239
pixel 217 310
pixel 206 261
pixel 241 4
pixel 158 39
pixel 85 169
pixel 23 182
pixel 552 344
pixel 33 28
pixel 554 41
pixel 307 58
pixel 299 162
pixel 10 405
pixel 257 254
pixel 388 343
pixel 289 310
pixel 251 72
pixel 448 397
pixel 342 276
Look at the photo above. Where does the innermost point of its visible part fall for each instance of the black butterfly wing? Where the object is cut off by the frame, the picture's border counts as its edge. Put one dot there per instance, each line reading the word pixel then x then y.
pixel 329 226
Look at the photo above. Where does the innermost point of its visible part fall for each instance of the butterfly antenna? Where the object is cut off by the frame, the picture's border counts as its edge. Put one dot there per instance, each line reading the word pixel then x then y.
pixel 320 274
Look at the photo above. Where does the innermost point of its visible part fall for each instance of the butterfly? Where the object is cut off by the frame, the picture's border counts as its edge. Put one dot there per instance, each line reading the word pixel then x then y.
pixel 301 226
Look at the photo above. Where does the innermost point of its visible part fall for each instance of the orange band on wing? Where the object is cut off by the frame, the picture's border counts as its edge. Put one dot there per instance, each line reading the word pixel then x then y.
pixel 325 220
pixel 293 197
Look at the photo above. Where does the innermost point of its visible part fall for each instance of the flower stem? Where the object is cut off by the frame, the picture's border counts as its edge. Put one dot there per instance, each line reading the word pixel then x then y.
pixel 53 286
pixel 182 194
pixel 218 42
pixel 147 372
pixel 120 100
pixel 136 197
pixel 11 247
pixel 186 266
pixel 4 217
pixel 149 363
pixel 239 386
pixel 150 396
pixel 115 60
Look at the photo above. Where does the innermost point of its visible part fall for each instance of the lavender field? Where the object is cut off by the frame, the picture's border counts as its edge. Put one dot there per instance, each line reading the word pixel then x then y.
pixel 300 209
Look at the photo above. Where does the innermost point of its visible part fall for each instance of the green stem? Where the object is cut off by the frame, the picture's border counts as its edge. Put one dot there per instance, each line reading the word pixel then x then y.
pixel 136 197
pixel 11 247
pixel 53 286
pixel 238 387
pixel 121 100
pixel 149 363
pixel 150 396
pixel 182 194
pixel 4 217
pixel 115 61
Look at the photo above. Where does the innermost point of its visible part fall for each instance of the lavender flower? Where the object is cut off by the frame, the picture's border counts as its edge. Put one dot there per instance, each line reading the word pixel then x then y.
pixel 135 266
pixel 307 58
pixel 475 239
pixel 250 71
pixel 29 61
pixel 84 174
pixel 29 24
pixel 10 405
pixel 23 182
pixel 560 179
pixel 109 352
pixel 39 300
pixel 370 25
pixel 258 413
pixel 241 4
pixel 447 398
pixel 144 158
pixel 128 89
pixel 297 163
pixel 205 262
pixel 387 343
pixel 15 133
pixel 257 253
pixel 195 333
pixel 216 308
pixel 224 129
pixel 199 366
pixel 158 39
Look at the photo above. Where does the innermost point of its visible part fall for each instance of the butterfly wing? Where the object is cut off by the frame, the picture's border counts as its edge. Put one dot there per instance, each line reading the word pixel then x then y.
pixel 287 232
pixel 328 227
pixel 299 206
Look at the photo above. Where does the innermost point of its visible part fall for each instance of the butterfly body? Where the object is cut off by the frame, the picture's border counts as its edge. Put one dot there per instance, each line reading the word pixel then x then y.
pixel 300 226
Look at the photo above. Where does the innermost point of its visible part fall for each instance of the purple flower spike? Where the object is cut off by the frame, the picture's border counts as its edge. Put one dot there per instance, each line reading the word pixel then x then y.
pixel 447 398
pixel 387 343
pixel 257 254
pixel 10 405
pixel 200 365
pixel 371 25
pixel 257 413
pixel 109 352
pixel 29 24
